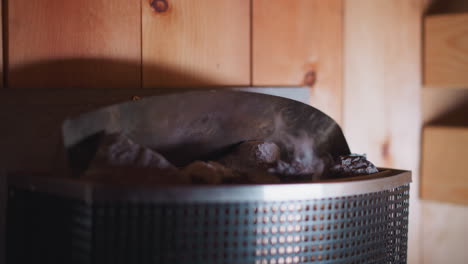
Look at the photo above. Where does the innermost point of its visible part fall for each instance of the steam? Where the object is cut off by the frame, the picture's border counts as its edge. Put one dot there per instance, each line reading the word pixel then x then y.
pixel 299 155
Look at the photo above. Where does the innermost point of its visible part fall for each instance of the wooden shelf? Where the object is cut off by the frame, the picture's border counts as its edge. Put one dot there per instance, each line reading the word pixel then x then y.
pixel 446 51
pixel 445 164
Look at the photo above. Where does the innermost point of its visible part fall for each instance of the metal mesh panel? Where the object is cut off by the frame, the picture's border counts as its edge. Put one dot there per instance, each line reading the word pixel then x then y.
pixel 368 228
pixel 44 228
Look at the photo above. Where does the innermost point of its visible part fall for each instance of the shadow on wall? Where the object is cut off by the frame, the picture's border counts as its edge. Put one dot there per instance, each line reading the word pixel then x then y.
pixel 38 100
pixel 95 73
pixel 455 116
pixel 446 6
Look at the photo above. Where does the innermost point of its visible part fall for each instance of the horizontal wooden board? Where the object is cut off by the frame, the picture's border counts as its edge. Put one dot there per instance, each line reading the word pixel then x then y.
pixel 444 167
pixel 196 43
pixel 74 44
pixel 446 51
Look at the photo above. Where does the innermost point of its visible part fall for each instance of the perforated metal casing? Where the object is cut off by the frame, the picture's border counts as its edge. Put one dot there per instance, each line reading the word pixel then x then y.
pixel 362 220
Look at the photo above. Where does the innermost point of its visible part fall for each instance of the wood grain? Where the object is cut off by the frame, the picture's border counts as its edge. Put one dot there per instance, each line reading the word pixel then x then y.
pixel 382 82
pixel 74 44
pixel 294 40
pixel 446 51
pixel 444 167
pixel 205 42
pixel 445 232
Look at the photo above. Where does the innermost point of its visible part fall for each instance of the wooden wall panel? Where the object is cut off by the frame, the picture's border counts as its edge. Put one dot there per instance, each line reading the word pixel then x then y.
pixel 299 42
pixel 382 84
pixel 443 166
pixel 74 44
pixel 196 43
pixel 444 233
pixel 446 51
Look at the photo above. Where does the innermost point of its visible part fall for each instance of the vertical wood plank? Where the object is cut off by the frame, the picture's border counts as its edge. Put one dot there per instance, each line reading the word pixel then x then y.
pixel 295 40
pixel 195 43
pixel 79 44
pixel 382 83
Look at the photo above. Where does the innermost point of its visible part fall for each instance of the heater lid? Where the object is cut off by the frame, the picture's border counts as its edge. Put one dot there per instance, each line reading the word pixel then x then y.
pixel 190 125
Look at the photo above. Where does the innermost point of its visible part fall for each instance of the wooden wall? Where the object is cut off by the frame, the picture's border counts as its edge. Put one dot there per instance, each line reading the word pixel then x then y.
pixel 73 44
pixel 88 44
pixel 300 43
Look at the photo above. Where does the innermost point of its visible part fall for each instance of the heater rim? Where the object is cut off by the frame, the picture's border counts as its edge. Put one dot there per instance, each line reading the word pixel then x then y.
pixel 92 192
